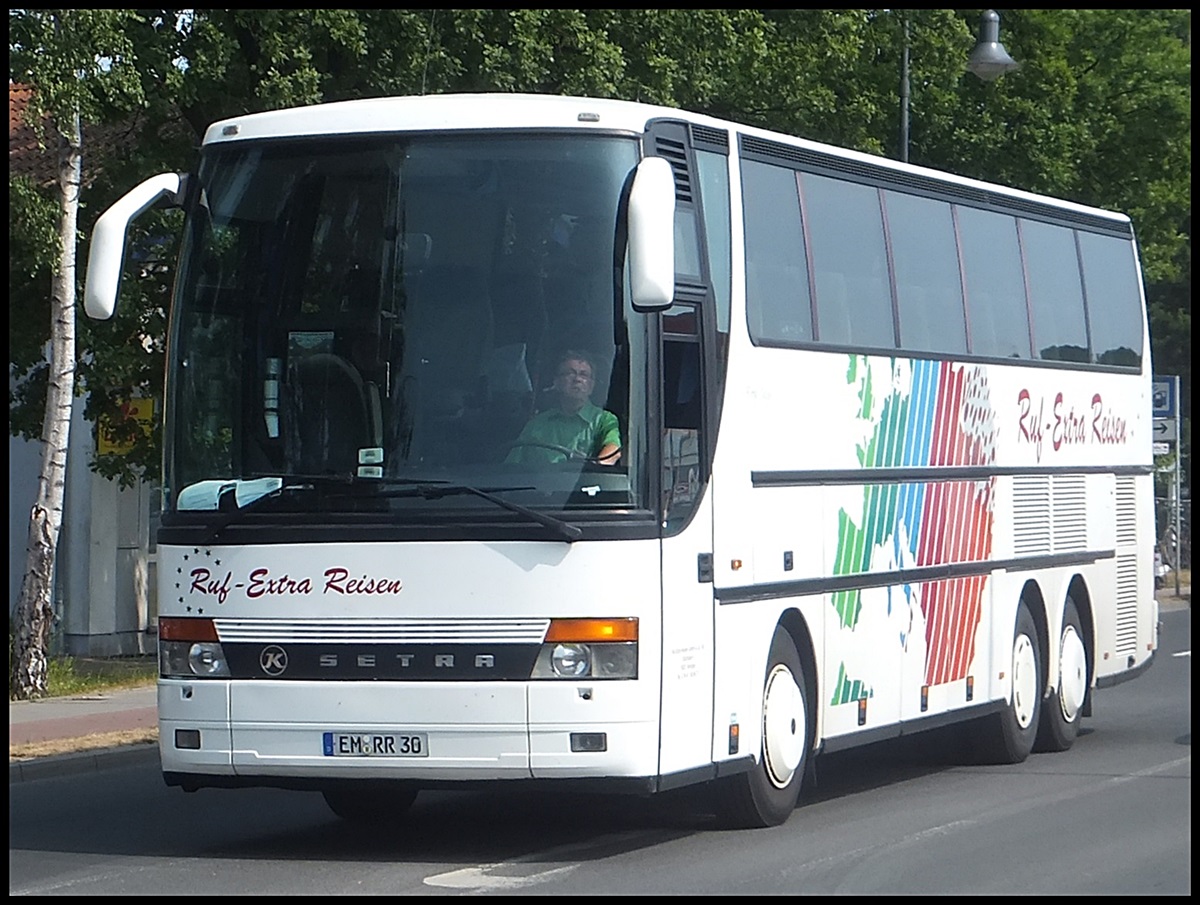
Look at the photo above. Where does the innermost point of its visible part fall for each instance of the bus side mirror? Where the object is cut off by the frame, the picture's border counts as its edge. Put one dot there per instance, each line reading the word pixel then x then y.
pixel 651 215
pixel 106 257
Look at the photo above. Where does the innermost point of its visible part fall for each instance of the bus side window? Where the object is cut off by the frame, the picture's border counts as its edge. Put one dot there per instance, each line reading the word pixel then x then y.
pixel 681 385
pixel 682 413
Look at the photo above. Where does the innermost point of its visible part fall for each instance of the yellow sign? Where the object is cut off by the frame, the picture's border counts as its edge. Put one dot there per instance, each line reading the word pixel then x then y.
pixel 139 410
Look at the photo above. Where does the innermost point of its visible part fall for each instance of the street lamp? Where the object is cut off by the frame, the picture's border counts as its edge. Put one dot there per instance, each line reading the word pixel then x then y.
pixel 989 60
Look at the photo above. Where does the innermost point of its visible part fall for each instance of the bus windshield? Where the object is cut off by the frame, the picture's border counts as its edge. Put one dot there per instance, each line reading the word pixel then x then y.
pixel 406 312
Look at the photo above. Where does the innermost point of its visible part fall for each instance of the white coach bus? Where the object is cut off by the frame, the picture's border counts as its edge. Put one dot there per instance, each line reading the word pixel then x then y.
pixel 882 454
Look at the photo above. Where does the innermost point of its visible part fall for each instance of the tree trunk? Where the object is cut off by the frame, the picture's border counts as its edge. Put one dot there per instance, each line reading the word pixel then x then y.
pixel 35 612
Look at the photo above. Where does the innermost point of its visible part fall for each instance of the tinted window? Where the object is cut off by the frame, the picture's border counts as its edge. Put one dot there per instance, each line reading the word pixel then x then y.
pixel 397 307
pixel 991 260
pixel 854 302
pixel 714 183
pixel 925 262
pixel 777 294
pixel 1055 292
pixel 1110 277
pixel 687 245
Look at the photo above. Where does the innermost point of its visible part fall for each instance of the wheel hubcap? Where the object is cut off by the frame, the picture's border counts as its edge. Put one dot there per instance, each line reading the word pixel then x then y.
pixel 1024 693
pixel 784 729
pixel 1072 673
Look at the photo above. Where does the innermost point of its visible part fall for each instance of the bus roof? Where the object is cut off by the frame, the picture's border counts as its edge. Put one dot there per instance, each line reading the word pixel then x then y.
pixel 467 112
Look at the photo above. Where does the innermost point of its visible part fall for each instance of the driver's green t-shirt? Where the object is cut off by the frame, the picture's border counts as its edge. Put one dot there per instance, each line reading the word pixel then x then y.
pixel 586 432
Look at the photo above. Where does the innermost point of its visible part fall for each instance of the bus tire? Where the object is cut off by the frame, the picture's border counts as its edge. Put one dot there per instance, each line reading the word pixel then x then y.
pixel 767 794
pixel 1007 737
pixel 370 805
pixel 1062 711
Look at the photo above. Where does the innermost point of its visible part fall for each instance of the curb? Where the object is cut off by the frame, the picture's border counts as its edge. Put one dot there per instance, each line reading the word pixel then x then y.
pixel 82 762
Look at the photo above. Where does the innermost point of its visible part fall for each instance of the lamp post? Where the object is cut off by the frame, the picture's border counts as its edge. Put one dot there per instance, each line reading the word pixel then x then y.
pixel 904 93
pixel 989 60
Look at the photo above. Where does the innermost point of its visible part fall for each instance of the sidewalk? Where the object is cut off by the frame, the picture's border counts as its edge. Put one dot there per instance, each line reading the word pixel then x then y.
pixel 55 719
pixel 81 717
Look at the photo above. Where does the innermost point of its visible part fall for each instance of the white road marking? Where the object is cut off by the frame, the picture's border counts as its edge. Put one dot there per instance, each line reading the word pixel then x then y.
pixel 507 874
pixel 481 878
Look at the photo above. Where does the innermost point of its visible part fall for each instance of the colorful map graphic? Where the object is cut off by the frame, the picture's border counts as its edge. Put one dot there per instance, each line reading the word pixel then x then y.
pixel 931 413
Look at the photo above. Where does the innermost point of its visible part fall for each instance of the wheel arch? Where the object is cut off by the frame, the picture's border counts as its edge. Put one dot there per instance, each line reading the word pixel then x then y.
pixel 1078 590
pixel 795 625
pixel 1035 602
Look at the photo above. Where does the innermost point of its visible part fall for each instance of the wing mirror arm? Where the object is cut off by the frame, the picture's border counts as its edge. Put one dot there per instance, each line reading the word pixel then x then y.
pixel 106 256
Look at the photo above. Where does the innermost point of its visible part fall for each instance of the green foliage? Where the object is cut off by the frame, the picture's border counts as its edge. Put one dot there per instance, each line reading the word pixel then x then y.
pixel 80 60
pixel 32 253
pixel 72 675
pixel 1099 113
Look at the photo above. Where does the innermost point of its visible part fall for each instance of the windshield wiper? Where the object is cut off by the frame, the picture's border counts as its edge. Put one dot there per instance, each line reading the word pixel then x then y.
pixel 232 512
pixel 564 530
pixel 426 488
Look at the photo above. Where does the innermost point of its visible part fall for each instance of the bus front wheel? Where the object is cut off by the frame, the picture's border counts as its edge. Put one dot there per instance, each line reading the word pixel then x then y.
pixel 767 794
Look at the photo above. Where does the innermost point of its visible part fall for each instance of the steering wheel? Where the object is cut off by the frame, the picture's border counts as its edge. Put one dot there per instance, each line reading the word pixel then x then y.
pixel 571 454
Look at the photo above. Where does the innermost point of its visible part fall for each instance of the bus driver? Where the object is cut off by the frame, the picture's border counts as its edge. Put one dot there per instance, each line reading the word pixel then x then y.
pixel 574 427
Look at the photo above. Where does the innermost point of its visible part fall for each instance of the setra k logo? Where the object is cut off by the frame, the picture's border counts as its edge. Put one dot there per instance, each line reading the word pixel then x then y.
pixel 273 660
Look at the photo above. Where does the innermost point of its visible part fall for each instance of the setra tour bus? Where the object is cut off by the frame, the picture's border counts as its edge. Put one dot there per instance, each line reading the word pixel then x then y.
pixel 532 439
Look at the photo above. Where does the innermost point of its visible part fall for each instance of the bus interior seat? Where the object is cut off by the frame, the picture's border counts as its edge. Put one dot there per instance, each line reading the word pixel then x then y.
pixel 521 324
pixel 981 312
pixel 519 311
pixel 451 331
pixel 833 308
pixel 775 301
pixel 863 295
pixel 947 320
pixel 450 335
pixel 329 416
pixel 915 333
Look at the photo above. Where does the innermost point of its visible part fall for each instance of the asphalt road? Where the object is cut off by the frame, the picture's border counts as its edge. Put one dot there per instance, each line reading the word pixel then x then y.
pixel 1110 817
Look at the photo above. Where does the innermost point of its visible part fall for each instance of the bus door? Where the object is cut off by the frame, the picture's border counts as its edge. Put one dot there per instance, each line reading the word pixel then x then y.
pixel 687 538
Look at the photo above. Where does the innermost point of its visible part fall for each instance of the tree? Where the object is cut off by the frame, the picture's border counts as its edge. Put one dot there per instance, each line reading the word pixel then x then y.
pixel 55 51
pixel 1098 113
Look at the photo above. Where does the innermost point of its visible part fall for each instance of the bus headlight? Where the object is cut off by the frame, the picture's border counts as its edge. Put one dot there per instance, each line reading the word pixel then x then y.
pixel 192 659
pixel 571 661
pixel 207 659
pixel 189 648
pixel 588 649
pixel 614 661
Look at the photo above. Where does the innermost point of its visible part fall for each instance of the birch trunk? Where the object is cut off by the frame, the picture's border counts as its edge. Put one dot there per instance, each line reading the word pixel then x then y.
pixel 34 615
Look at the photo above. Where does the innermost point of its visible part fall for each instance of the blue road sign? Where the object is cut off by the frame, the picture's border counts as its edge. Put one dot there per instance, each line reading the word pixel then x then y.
pixel 1164 401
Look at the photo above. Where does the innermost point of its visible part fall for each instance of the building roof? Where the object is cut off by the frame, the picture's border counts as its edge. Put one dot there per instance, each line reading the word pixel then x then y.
pixel 27 156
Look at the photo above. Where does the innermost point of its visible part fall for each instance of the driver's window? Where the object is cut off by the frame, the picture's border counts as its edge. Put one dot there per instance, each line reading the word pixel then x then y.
pixel 682 414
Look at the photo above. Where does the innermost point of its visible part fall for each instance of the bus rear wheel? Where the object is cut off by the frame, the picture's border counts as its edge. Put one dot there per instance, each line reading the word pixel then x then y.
pixel 1063 709
pixel 370 805
pixel 1008 736
pixel 767 794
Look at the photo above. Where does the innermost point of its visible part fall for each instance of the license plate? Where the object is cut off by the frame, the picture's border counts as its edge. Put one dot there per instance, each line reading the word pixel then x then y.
pixel 382 744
